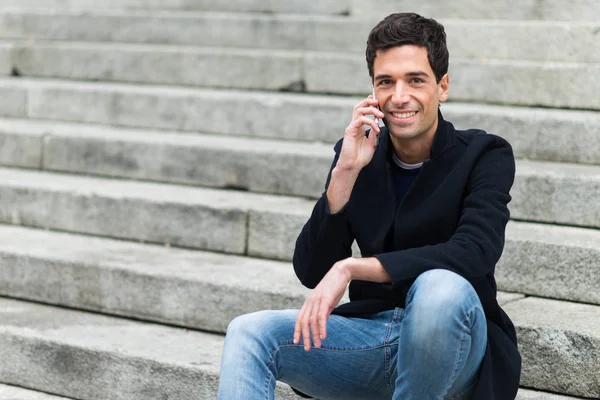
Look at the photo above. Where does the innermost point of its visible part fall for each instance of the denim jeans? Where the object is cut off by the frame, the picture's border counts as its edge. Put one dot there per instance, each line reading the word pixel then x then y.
pixel 432 349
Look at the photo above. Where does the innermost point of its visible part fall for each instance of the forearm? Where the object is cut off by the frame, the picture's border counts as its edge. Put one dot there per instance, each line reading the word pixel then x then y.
pixel 365 269
pixel 340 188
pixel 324 240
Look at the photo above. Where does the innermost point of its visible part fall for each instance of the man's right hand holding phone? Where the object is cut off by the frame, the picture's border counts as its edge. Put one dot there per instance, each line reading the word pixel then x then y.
pixel 357 152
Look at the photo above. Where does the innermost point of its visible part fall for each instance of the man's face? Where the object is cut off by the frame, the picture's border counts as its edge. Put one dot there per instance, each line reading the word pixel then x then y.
pixel 407 92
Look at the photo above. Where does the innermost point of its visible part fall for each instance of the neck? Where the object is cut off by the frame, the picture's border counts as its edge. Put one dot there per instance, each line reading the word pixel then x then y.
pixel 414 150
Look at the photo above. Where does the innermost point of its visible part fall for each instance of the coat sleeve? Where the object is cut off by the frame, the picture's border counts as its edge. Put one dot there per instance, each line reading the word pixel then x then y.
pixel 476 245
pixel 325 239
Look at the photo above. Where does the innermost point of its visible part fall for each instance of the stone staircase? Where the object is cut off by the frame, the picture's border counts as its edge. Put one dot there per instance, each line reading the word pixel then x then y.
pixel 159 158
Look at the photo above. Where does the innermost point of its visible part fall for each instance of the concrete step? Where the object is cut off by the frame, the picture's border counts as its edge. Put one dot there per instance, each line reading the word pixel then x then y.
pixel 551 261
pixel 188 288
pixel 88 356
pixel 524 10
pixel 328 7
pixel 543 192
pixel 16 393
pixel 6 58
pixel 559 344
pixel 537 133
pixel 155 362
pixel 586 10
pixel 556 193
pixel 264 226
pixel 538 40
pixel 258 165
pixel 526 83
pixel 209 219
pixel 526 394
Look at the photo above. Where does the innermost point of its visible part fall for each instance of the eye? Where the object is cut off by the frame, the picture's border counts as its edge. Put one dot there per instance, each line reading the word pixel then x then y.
pixel 417 80
pixel 385 82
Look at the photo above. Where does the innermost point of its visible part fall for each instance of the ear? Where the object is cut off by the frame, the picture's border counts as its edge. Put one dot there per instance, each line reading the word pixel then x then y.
pixel 443 87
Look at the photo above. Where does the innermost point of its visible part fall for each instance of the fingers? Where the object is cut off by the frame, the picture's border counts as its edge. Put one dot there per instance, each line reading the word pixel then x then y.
pixel 359 122
pixel 369 101
pixel 323 314
pixel 312 320
pixel 306 329
pixel 369 111
pixel 302 327
pixel 314 325
pixel 298 326
pixel 359 117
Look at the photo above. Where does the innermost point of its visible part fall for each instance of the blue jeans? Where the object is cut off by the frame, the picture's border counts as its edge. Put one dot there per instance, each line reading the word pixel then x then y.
pixel 432 349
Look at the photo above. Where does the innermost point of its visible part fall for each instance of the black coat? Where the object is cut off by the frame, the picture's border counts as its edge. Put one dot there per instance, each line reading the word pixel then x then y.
pixel 453 217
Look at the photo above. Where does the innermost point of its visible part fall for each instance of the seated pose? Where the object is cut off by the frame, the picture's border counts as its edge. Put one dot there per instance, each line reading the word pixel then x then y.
pixel 427 205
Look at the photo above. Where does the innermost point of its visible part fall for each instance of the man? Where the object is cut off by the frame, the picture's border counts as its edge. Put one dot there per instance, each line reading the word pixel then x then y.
pixel 427 205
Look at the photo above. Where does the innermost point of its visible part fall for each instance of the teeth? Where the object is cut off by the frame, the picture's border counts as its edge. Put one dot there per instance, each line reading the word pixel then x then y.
pixel 404 115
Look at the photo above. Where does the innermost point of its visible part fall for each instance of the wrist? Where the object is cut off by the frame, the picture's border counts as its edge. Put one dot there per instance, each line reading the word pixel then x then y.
pixel 366 269
pixel 347 267
pixel 343 169
pixel 344 177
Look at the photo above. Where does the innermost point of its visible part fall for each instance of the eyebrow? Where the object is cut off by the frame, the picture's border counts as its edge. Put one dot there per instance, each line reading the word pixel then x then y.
pixel 408 74
pixel 417 73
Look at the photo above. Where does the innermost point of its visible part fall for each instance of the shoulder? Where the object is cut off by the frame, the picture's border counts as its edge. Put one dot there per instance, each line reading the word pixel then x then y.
pixel 477 142
pixel 486 156
pixel 479 137
pixel 491 158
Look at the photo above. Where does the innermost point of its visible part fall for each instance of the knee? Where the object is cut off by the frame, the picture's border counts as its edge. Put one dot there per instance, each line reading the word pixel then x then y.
pixel 442 293
pixel 246 326
pixel 258 327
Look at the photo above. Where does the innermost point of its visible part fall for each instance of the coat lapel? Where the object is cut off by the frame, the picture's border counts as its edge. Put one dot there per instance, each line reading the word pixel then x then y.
pixel 434 170
pixel 378 212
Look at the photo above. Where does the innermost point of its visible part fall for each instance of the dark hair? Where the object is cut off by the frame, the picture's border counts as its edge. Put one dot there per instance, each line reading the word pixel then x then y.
pixel 410 29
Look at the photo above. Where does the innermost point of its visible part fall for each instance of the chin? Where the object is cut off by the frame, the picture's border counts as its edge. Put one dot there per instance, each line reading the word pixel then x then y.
pixel 404 135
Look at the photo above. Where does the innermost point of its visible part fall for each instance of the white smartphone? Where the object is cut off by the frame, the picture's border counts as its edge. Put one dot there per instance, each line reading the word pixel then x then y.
pixel 373 92
pixel 375 119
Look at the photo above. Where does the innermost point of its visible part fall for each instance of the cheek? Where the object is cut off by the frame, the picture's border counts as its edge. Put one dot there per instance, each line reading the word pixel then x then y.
pixel 383 102
pixel 428 100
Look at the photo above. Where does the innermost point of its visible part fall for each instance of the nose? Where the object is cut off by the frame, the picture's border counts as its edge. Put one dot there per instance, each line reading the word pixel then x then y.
pixel 400 96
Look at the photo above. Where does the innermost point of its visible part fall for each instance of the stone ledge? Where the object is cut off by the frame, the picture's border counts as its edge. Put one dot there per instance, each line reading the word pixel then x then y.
pixel 543 192
pixel 525 394
pixel 327 7
pixel 551 261
pixel 183 216
pixel 559 344
pixel 499 81
pixel 151 361
pixel 474 9
pixel 538 40
pixel 17 393
pixel 266 225
pixel 557 193
pixel 535 133
pixel 180 287
pixel 6 61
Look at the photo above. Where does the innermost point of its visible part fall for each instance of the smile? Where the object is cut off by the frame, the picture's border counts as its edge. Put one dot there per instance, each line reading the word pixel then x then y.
pixel 405 114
